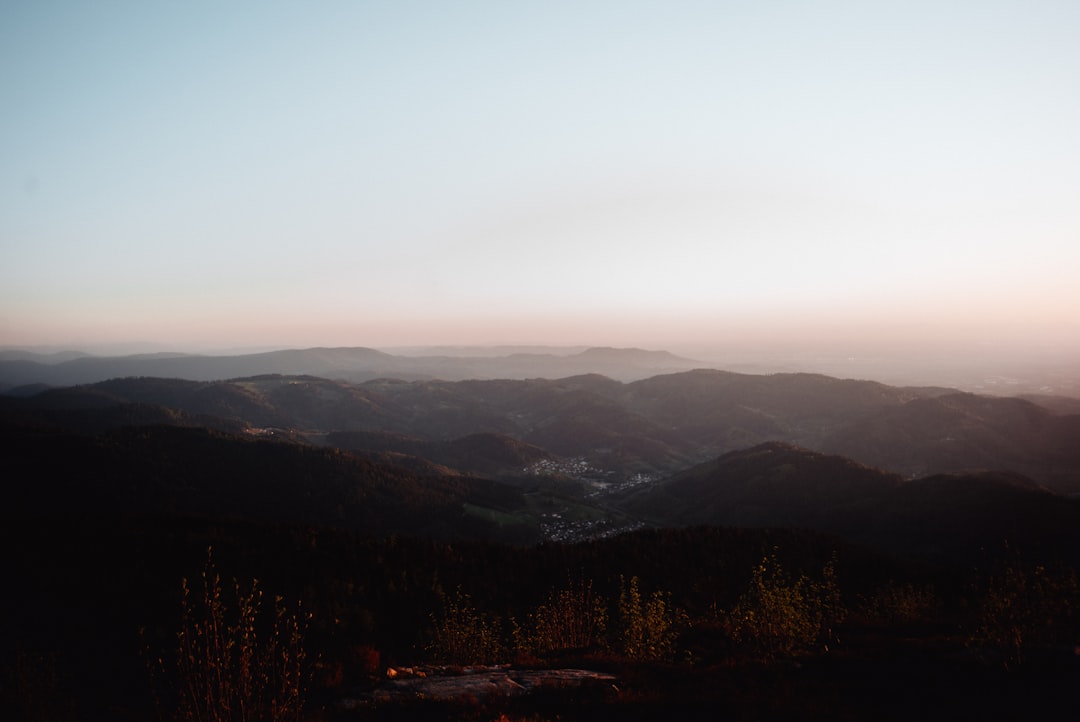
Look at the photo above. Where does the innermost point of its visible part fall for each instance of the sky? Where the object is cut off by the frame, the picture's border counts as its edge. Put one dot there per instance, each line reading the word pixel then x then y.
pixel 659 174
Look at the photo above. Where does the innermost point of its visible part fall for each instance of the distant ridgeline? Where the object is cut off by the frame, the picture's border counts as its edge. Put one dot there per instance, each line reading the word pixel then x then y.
pixel 18 369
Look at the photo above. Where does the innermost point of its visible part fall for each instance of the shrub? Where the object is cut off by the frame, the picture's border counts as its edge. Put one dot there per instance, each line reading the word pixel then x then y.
pixel 777 616
pixel 827 610
pixel 1025 608
pixel 464 635
pixel 571 618
pixel 649 630
pixel 895 603
pixel 231 664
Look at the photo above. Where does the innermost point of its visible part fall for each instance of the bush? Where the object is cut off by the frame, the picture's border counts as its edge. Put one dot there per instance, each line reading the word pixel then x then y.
pixel 649 630
pixel 231 664
pixel 1026 608
pixel 827 610
pixel 464 635
pixel 777 616
pixel 571 618
pixel 895 603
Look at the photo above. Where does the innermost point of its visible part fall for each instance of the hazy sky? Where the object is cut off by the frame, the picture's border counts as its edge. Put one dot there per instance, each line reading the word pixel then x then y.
pixel 230 174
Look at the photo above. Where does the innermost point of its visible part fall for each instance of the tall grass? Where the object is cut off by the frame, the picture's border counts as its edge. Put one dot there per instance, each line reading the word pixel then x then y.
pixel 572 618
pixel 232 663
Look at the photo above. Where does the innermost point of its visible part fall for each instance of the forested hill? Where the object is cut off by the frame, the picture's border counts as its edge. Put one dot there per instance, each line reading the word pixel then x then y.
pixel 110 458
pixel 200 474
pixel 954 516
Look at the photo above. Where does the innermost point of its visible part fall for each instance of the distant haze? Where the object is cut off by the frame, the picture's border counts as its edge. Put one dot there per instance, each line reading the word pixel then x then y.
pixel 804 184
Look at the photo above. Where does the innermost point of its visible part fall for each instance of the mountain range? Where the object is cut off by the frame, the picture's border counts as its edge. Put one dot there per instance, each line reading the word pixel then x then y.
pixel 909 470
pixel 20 368
pixel 658 425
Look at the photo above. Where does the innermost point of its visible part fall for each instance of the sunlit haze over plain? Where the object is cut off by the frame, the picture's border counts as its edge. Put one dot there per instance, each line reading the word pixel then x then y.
pixel 837 178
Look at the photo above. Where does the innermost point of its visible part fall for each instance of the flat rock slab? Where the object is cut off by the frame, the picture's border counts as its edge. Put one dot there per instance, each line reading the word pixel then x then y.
pixel 478 682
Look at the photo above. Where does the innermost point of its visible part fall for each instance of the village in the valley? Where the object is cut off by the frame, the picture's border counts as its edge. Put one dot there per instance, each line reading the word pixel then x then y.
pixel 565 525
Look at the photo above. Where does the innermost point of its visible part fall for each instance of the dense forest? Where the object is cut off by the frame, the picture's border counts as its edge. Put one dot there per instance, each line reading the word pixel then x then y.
pixel 296 548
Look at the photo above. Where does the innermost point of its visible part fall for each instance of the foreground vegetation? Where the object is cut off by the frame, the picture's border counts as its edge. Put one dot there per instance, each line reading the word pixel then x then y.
pixel 116 619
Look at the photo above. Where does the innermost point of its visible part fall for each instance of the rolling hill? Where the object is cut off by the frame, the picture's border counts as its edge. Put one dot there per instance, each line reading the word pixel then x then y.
pixel 958 516
pixel 194 474
pixel 958 432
